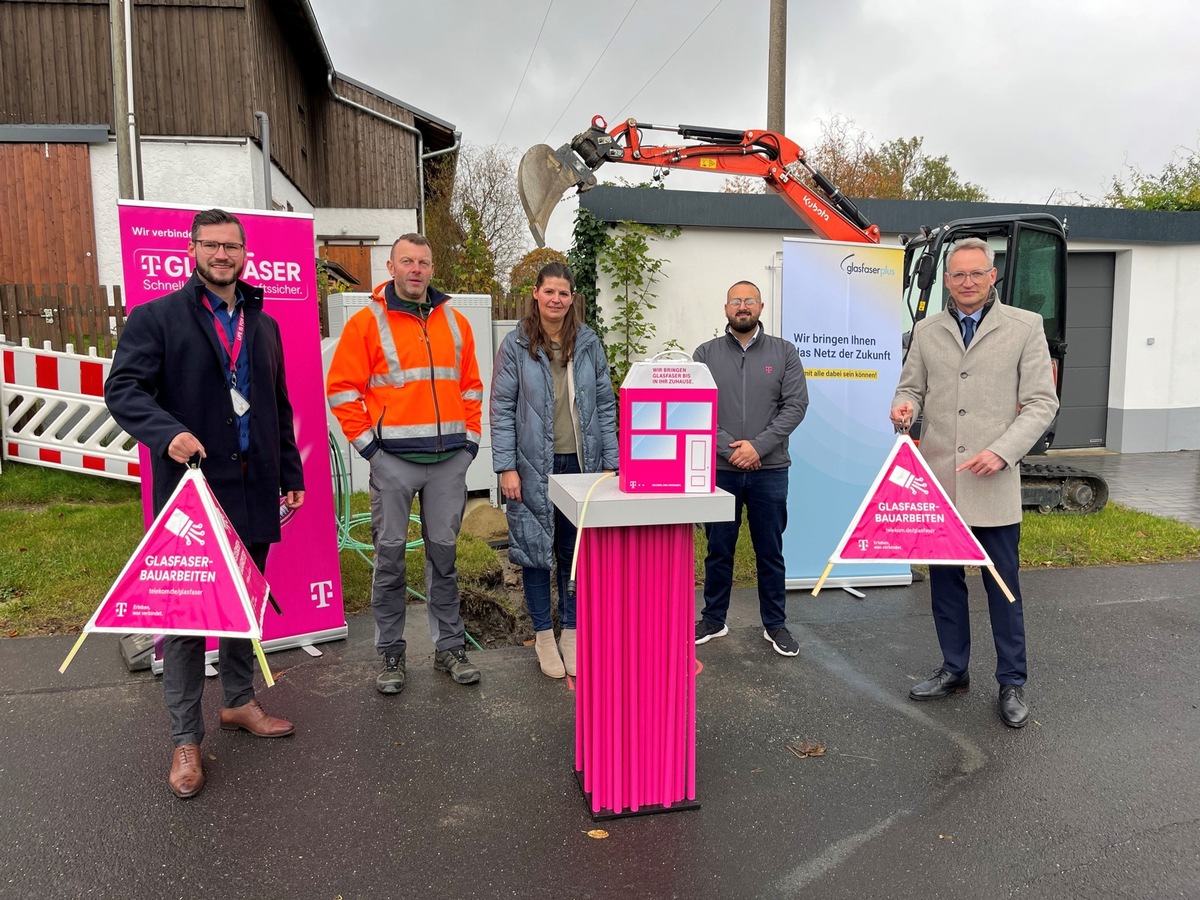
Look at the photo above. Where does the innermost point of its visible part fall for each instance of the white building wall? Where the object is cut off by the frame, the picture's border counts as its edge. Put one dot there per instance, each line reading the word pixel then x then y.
pixel 286 196
pixel 1154 388
pixel 1154 384
pixel 381 225
pixel 199 172
pixel 1119 370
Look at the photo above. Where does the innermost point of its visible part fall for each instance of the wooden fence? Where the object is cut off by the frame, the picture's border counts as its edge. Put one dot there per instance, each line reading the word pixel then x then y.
pixel 513 304
pixel 82 315
pixel 510 306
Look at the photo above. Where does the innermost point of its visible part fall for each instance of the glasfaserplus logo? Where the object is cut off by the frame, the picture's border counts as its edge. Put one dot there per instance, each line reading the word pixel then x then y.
pixel 852 268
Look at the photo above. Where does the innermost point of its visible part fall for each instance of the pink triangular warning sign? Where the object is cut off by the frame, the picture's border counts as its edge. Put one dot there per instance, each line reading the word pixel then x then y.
pixel 190 574
pixel 907 517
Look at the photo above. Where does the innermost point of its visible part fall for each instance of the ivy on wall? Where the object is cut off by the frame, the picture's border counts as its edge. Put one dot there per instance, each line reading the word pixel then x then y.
pixel 588 240
pixel 624 257
pixel 633 274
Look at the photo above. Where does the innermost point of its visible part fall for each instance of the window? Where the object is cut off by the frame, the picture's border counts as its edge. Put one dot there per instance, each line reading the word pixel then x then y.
pixel 653 446
pixel 689 416
pixel 646 417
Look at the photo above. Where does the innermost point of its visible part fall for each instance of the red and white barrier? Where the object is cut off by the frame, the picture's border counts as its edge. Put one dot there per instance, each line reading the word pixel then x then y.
pixel 54 414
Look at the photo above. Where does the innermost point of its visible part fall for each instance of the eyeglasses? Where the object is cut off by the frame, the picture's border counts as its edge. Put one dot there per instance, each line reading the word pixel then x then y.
pixel 231 247
pixel 976 275
pixel 748 302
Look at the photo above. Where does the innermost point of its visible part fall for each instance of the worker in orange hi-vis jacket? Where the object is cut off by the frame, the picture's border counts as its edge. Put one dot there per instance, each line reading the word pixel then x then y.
pixel 404 385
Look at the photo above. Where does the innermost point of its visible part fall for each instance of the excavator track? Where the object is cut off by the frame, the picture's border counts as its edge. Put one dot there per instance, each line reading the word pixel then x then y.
pixel 1053 488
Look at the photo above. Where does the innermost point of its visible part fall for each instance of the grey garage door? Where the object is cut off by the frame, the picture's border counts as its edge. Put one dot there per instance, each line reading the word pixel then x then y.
pixel 1083 417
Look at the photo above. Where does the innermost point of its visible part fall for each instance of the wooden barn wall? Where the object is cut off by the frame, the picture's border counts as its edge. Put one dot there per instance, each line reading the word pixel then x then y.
pixel 282 92
pixel 365 163
pixel 190 69
pixel 40 88
pixel 188 54
pixel 47 232
pixel 104 3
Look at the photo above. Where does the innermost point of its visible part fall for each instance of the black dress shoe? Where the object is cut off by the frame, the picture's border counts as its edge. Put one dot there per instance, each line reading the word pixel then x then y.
pixel 1013 710
pixel 940 685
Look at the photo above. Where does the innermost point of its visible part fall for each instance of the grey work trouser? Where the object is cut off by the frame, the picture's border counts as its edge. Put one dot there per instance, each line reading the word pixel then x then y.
pixel 183 672
pixel 442 488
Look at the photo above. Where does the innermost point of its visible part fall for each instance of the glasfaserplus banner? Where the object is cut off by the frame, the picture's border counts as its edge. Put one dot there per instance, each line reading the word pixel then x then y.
pixel 841 309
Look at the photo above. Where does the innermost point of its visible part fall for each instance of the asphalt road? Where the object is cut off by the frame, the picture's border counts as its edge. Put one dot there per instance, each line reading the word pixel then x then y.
pixel 449 791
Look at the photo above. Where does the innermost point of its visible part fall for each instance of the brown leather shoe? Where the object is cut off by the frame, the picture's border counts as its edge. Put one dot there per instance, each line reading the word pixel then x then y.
pixel 254 719
pixel 187 771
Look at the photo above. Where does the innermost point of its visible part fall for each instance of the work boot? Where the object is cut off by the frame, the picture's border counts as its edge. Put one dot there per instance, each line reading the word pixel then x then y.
pixel 566 643
pixel 455 663
pixel 547 654
pixel 391 679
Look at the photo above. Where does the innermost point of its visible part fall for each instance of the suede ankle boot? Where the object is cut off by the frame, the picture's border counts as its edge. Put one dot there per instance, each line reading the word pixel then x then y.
pixel 547 654
pixel 566 643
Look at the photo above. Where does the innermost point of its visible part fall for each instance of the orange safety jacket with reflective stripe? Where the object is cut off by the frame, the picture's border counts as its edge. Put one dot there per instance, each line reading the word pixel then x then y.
pixel 405 384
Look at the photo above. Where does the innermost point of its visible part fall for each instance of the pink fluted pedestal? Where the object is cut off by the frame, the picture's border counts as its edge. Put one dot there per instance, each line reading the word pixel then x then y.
pixel 635 700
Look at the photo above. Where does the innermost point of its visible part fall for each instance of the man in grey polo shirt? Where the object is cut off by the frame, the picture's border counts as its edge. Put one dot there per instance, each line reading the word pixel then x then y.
pixel 761 398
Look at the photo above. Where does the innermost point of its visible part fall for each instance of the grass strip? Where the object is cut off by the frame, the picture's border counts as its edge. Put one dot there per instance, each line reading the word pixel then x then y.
pixel 67 536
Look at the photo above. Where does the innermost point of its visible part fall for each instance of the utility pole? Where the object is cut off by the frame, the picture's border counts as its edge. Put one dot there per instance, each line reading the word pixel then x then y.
pixel 116 27
pixel 777 66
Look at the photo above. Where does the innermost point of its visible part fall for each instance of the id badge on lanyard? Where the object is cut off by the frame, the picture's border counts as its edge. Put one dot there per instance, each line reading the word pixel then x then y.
pixel 241 405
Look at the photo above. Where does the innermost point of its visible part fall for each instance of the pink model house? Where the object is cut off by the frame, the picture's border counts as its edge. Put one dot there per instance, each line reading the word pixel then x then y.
pixel 668 427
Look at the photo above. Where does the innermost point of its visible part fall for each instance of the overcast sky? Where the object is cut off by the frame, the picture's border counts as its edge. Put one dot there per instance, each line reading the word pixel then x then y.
pixel 1025 98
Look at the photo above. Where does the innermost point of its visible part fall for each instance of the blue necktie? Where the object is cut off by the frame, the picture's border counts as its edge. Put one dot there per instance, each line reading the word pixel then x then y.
pixel 968 329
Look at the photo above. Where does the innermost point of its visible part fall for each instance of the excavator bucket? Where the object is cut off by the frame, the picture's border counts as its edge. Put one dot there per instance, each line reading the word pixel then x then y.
pixel 543 177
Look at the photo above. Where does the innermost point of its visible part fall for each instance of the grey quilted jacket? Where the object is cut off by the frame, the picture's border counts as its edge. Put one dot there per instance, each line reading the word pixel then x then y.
pixel 522 427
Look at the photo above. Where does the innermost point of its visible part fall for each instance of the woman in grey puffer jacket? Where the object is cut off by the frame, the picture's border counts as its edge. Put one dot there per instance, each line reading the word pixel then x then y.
pixel 553 412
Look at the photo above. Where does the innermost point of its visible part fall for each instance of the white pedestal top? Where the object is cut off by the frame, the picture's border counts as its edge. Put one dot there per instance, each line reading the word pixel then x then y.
pixel 611 507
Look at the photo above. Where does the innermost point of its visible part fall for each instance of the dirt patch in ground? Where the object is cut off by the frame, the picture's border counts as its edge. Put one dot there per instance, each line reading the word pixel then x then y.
pixel 485 521
pixel 495 613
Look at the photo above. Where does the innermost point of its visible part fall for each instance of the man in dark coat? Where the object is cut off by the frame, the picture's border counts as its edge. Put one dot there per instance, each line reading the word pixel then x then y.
pixel 199 373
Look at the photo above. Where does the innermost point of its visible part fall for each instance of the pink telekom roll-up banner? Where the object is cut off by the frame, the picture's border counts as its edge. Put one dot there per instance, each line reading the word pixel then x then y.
pixel 302 569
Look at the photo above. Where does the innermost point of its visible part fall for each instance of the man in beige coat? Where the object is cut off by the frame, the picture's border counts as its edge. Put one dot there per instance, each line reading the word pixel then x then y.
pixel 980 371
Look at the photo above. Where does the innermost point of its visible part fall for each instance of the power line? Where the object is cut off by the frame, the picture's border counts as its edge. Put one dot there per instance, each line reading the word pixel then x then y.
pixel 590 71
pixel 517 93
pixel 625 105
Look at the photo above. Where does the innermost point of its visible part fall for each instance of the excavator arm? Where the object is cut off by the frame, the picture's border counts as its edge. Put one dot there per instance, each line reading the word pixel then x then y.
pixel 545 175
